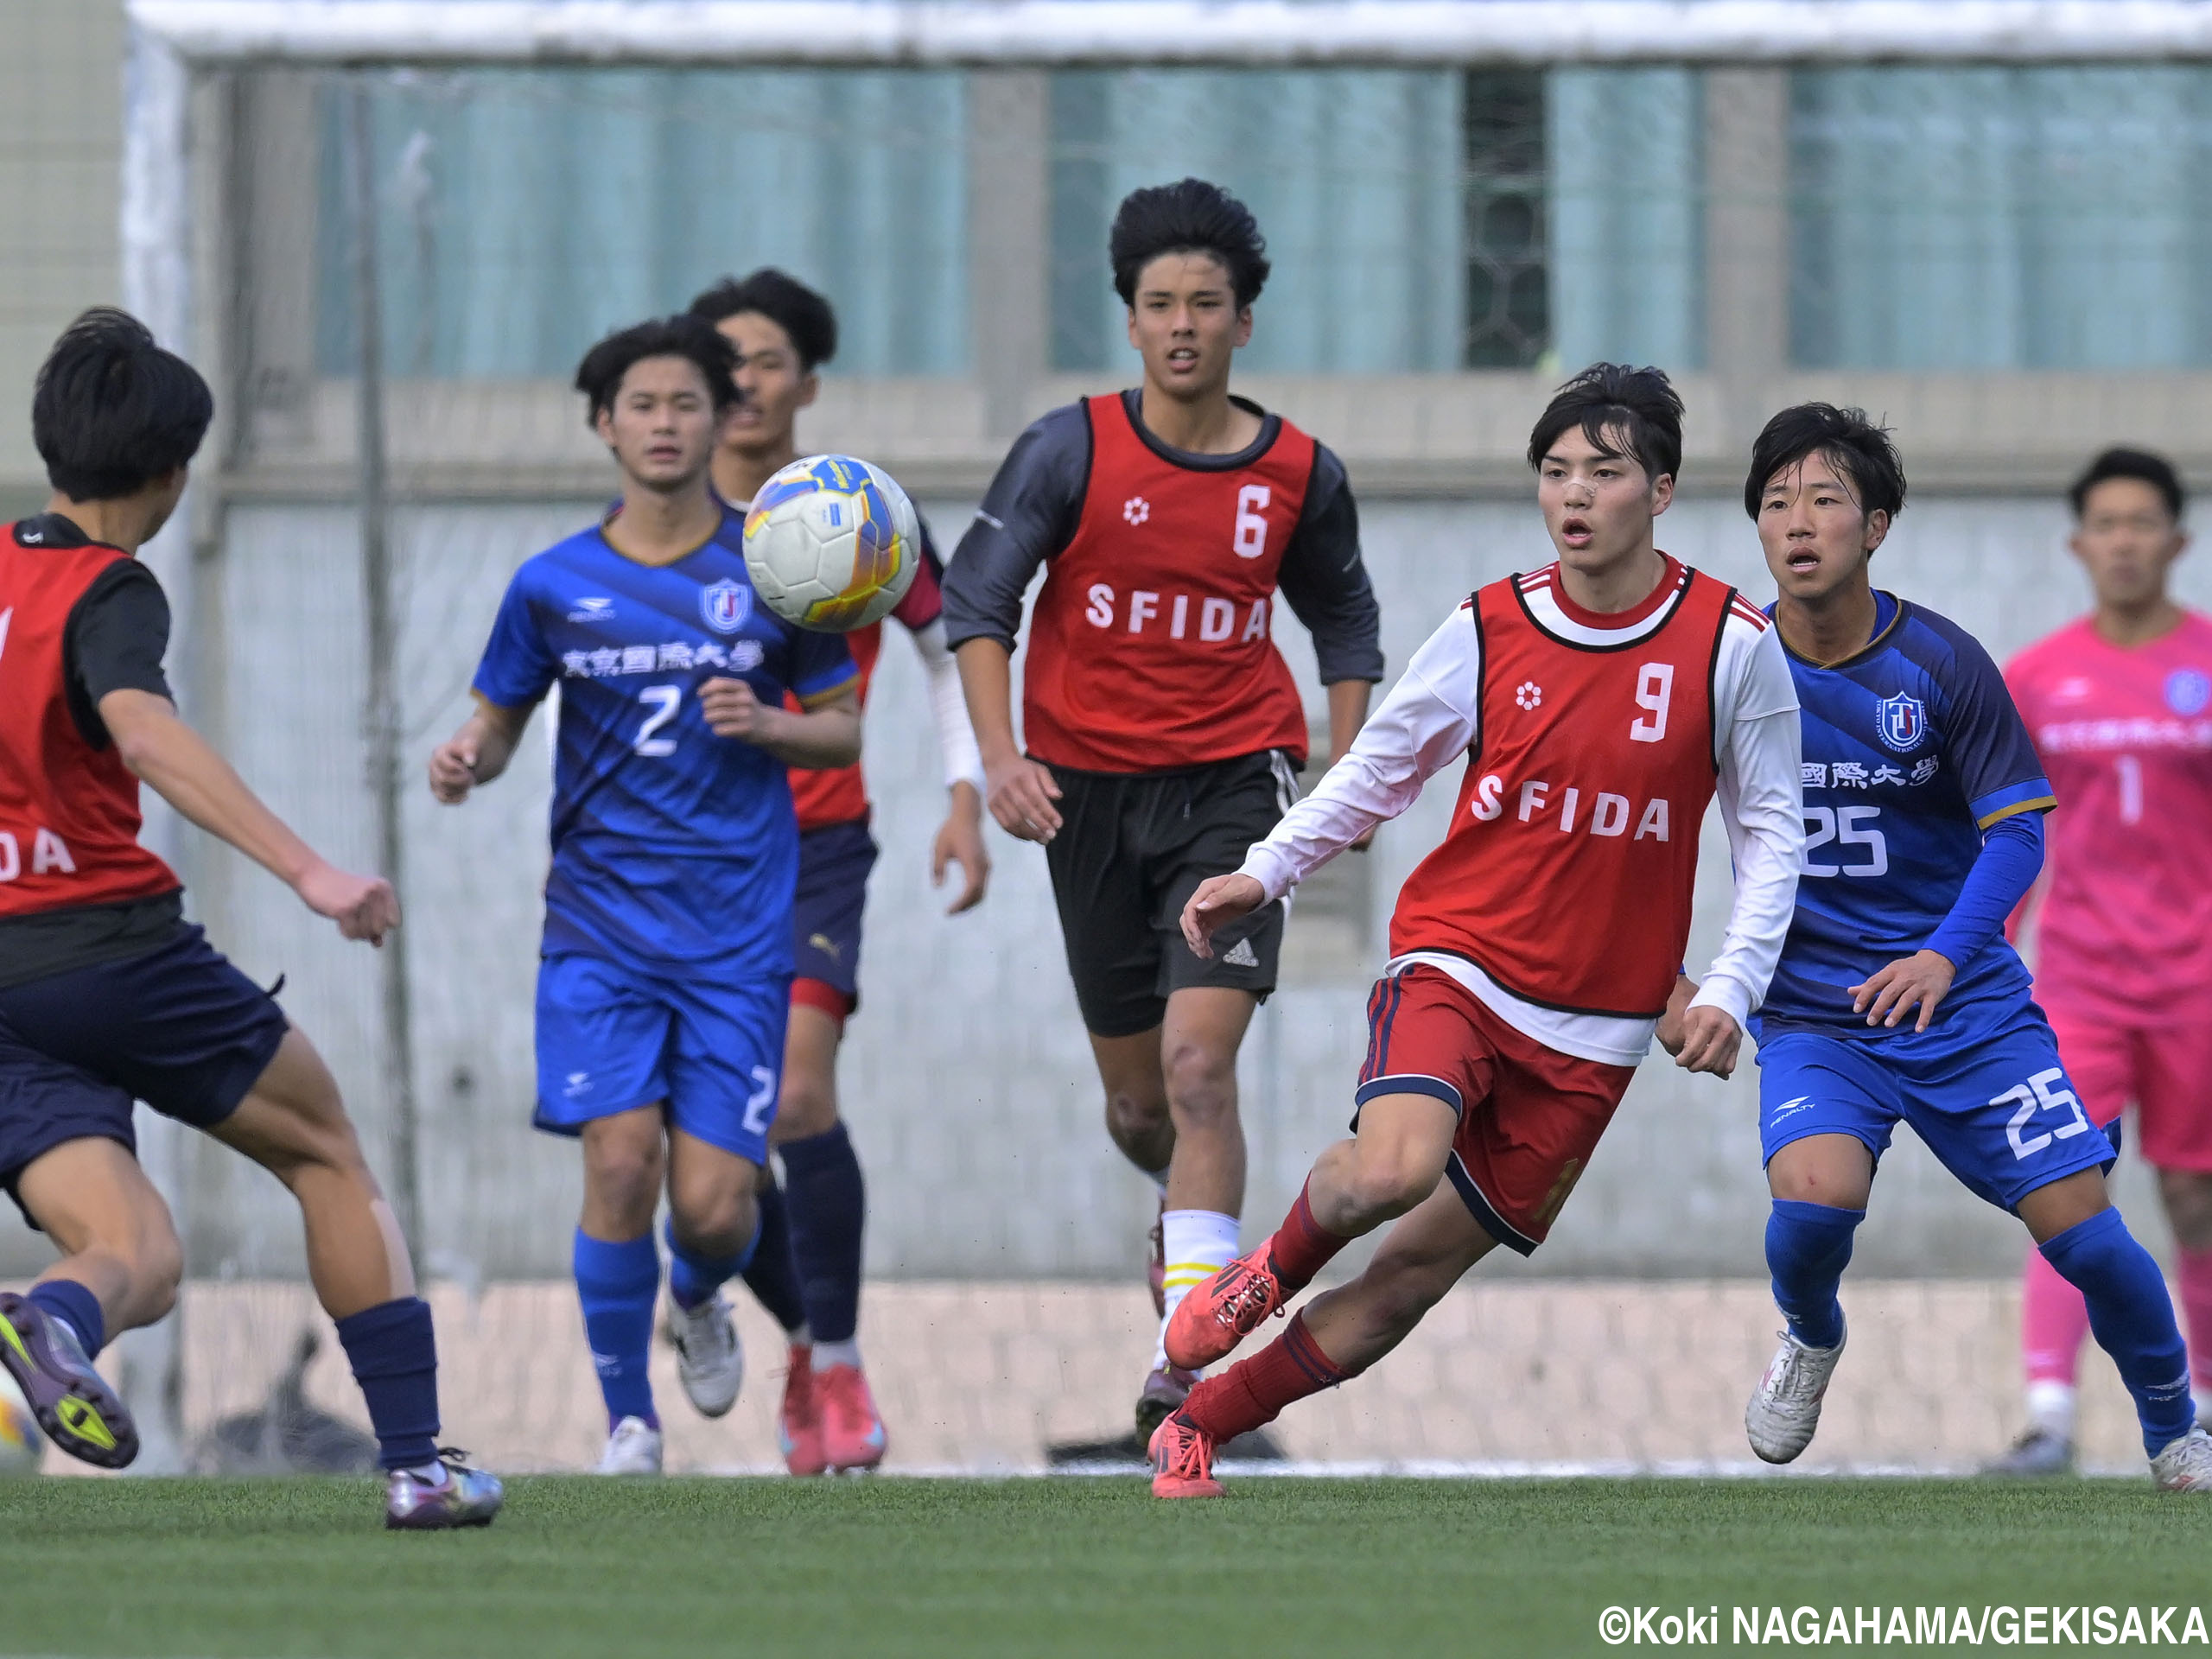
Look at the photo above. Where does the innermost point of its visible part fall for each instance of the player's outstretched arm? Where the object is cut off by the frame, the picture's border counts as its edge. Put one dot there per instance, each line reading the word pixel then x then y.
pixel 477 753
pixel 180 767
pixel 1017 790
pixel 824 737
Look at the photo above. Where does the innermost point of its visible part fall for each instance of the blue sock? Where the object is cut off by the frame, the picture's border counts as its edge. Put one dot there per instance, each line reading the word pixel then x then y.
pixel 617 1283
pixel 1808 1247
pixel 828 1205
pixel 394 1352
pixel 2132 1318
pixel 75 1306
pixel 773 1274
pixel 692 1277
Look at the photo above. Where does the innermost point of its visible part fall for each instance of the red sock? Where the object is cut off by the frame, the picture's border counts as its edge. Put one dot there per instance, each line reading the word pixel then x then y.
pixel 1253 1391
pixel 1301 1246
pixel 2195 1276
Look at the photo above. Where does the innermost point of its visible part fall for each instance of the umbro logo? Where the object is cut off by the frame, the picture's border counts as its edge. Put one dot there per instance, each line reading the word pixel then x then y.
pixel 1136 509
pixel 1241 954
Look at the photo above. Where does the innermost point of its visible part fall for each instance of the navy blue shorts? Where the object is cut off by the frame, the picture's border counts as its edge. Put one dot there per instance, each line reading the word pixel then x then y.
pixel 833 869
pixel 178 1028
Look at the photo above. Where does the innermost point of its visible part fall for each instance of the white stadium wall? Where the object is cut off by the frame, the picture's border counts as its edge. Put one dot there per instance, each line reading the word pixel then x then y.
pixel 966 1077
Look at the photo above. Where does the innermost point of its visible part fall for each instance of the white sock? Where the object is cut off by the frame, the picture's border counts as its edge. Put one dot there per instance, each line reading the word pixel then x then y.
pixel 2051 1408
pixel 1200 1243
pixel 847 1353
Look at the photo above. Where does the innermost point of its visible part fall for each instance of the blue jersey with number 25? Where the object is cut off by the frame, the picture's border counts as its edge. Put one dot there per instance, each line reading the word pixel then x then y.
pixel 1912 748
pixel 670 845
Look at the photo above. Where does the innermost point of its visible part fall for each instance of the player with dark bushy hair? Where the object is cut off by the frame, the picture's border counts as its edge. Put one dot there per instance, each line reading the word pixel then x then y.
pixel 809 327
pixel 107 994
pixel 1189 216
pixel 807 1270
pixel 1163 729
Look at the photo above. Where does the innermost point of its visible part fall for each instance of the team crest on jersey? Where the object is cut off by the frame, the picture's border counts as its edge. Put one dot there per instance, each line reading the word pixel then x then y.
pixel 726 605
pixel 2188 689
pixel 1902 721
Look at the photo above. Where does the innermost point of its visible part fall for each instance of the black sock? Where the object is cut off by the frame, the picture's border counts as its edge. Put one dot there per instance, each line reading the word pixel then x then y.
pixel 394 1354
pixel 771 1275
pixel 829 1207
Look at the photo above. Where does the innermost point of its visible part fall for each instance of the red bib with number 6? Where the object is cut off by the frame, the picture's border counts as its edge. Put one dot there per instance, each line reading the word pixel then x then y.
pixel 1152 645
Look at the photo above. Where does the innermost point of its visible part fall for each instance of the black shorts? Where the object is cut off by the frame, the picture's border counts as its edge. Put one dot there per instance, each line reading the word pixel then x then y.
pixel 1132 848
pixel 178 1028
pixel 833 862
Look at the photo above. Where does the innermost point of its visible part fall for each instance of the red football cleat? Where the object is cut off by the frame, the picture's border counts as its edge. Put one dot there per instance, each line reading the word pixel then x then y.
pixel 799 1420
pixel 852 1431
pixel 1182 1460
pixel 1213 1318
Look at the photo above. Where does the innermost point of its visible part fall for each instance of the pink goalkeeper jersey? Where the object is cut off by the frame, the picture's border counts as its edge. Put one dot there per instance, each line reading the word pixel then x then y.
pixel 2125 737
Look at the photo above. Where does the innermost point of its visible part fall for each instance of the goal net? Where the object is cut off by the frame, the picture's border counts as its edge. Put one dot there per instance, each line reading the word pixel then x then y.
pixel 388 232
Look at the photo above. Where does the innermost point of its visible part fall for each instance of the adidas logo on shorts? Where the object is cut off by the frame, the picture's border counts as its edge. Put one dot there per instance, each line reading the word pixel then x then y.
pixel 1240 954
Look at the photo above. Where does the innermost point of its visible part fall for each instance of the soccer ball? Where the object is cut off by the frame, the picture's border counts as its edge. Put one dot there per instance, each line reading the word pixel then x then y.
pixel 22 1447
pixel 832 544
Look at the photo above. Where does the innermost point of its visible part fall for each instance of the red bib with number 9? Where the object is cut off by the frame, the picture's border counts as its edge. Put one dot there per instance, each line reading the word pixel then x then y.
pixel 1567 873
pixel 1152 643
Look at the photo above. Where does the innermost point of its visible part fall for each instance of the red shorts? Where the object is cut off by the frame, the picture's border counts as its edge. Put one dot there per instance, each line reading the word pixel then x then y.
pixel 1530 1117
pixel 2162 1065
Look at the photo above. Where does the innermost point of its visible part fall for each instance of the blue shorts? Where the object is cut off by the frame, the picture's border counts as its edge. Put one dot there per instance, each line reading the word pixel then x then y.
pixel 833 862
pixel 611 1038
pixel 1988 1095
pixel 176 1026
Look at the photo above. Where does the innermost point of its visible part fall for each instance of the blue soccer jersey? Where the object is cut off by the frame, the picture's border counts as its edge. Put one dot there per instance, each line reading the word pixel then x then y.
pixel 670 846
pixel 1912 748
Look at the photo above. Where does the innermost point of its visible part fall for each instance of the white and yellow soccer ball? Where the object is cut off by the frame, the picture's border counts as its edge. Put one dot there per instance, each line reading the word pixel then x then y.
pixel 22 1447
pixel 832 544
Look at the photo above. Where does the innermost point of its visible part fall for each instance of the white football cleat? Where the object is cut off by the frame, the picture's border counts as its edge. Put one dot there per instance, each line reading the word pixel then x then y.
pixel 633 1449
pixel 1785 1408
pixel 2185 1466
pixel 709 1359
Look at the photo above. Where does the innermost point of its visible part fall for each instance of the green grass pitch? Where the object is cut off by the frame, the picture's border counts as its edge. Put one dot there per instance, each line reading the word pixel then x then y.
pixel 600 1569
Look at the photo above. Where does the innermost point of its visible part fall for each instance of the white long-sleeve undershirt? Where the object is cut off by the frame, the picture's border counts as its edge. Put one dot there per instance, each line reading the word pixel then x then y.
pixel 956 738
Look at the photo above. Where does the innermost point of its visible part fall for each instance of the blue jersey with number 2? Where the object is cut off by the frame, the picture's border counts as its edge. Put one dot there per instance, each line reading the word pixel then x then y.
pixel 670 845
pixel 1912 748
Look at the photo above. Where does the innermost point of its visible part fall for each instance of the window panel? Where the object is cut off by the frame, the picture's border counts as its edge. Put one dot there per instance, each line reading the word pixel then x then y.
pixel 522 213
pixel 1993 218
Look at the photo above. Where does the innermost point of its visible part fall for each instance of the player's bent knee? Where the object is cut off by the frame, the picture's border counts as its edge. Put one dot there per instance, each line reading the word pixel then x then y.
pixel 1391 1183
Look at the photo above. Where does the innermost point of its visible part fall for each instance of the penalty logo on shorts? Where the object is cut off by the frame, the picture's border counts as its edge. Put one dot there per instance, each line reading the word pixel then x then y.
pixel 726 605
pixel 1902 721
